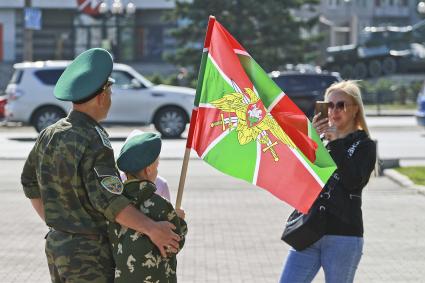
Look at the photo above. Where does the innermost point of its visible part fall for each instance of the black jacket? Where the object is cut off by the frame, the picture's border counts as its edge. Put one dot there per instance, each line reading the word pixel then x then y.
pixel 355 157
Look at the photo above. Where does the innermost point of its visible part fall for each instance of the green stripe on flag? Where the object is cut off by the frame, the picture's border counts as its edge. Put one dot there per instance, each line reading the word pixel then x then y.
pixel 201 75
pixel 265 86
pixel 324 165
pixel 215 86
pixel 234 159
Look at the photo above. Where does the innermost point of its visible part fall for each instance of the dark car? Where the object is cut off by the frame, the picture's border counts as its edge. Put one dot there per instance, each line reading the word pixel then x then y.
pixel 306 88
pixel 420 114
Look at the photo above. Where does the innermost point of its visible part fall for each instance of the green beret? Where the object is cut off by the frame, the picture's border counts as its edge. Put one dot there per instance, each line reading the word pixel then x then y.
pixel 84 76
pixel 139 152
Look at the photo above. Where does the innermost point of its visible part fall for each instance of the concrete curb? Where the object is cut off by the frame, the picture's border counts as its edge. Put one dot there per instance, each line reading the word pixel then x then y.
pixel 403 180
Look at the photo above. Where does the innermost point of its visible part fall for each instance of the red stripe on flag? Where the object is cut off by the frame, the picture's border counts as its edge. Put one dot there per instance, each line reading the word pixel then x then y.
pixel 192 127
pixel 284 180
pixel 210 27
pixel 204 134
pixel 295 124
pixel 221 50
pixel 232 41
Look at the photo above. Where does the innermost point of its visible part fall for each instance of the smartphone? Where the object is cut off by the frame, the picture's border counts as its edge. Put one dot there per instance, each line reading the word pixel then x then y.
pixel 322 107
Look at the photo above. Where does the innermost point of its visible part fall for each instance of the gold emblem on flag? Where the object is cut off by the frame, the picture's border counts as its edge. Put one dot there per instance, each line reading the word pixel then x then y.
pixel 252 121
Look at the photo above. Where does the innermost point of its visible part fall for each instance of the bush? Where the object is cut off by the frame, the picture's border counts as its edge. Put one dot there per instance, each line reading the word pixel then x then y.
pixel 385 91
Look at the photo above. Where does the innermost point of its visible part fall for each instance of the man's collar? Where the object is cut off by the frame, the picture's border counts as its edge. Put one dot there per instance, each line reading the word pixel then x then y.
pixel 84 118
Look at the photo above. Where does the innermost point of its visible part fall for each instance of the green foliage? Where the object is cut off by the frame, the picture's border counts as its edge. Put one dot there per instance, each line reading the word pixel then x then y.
pixel 170 80
pixel 156 79
pixel 415 173
pixel 267 29
pixel 385 91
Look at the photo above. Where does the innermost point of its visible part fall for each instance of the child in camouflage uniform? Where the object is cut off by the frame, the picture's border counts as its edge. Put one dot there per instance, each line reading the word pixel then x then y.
pixel 137 258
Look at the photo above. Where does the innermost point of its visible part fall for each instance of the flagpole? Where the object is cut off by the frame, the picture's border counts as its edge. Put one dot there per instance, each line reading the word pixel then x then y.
pixel 182 178
pixel 186 157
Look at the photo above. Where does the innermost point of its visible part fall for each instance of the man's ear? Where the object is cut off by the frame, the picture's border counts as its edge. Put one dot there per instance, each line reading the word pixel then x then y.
pixel 100 98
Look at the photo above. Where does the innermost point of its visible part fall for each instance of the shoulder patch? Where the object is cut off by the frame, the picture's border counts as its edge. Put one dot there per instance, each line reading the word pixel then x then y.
pixel 112 184
pixel 104 137
pixel 104 171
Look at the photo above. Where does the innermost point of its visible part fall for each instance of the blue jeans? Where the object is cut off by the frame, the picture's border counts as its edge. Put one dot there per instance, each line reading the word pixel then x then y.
pixel 338 255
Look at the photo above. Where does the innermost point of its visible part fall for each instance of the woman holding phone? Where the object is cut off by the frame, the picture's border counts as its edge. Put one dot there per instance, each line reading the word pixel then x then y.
pixel 347 138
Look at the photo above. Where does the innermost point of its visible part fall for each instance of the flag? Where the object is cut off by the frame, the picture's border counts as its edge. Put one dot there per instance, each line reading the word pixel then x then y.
pixel 244 125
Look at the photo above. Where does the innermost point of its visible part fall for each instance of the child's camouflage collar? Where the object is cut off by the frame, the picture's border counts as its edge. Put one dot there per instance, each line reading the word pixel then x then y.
pixel 138 190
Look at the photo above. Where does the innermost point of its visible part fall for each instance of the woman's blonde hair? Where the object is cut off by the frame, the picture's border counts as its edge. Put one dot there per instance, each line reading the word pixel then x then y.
pixel 351 89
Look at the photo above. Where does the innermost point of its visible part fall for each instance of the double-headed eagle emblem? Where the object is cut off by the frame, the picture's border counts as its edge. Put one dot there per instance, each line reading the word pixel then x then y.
pixel 252 121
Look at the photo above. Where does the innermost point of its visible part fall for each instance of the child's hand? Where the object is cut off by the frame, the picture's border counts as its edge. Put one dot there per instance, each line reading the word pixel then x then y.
pixel 180 213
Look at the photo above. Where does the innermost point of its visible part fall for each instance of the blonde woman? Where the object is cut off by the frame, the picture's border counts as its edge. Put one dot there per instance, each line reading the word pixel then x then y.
pixel 339 251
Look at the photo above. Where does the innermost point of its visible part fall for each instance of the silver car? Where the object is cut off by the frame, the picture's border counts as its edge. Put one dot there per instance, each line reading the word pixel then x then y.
pixel 135 100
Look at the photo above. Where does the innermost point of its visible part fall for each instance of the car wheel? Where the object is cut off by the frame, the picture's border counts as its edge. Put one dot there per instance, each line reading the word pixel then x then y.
pixel 170 122
pixel 375 68
pixel 389 66
pixel 46 116
pixel 360 70
pixel 347 71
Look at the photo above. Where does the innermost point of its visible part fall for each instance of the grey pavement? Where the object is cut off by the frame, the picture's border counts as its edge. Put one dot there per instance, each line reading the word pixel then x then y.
pixel 234 230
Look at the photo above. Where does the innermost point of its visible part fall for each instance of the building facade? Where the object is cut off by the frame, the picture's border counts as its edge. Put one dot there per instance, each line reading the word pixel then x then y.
pixel 66 30
pixel 344 20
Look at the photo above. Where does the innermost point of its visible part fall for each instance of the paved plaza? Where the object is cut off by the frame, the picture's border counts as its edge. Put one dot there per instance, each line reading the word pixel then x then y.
pixel 234 230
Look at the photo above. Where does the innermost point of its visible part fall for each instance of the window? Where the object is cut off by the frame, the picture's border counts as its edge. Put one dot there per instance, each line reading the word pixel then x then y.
pixel 303 84
pixel 296 84
pixel 49 77
pixel 125 81
pixel 334 3
pixel 326 81
pixel 16 77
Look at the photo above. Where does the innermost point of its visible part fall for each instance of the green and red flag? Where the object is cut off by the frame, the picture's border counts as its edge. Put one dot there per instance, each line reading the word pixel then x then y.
pixel 244 125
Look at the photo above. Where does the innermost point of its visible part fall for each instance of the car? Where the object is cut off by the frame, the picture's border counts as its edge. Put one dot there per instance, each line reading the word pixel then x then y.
pixel 305 87
pixel 420 113
pixel 135 100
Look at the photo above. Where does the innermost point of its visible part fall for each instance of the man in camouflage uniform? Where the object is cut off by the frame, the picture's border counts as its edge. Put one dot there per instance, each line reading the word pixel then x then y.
pixel 71 179
pixel 136 257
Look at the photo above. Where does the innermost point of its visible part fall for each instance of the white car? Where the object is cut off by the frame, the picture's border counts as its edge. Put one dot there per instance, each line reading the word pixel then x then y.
pixel 135 100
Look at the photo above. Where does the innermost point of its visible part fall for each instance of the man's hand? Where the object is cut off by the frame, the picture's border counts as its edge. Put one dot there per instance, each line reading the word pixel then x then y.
pixel 164 238
pixel 37 203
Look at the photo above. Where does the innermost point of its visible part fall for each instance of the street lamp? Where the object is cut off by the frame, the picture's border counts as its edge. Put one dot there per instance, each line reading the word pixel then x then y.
pixel 116 10
pixel 421 8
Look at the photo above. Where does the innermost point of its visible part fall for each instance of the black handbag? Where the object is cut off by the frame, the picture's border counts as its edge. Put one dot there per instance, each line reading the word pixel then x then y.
pixel 302 230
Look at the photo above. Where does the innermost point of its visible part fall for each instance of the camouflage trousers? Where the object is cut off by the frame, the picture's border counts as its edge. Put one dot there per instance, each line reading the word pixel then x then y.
pixel 76 258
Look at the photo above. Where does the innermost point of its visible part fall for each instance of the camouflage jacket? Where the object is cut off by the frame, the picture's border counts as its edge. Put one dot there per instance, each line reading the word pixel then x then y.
pixel 137 259
pixel 72 168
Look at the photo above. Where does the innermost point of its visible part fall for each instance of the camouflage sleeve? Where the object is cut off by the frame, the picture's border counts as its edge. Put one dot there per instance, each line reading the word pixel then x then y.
pixel 181 226
pixel 29 177
pixel 183 232
pixel 102 182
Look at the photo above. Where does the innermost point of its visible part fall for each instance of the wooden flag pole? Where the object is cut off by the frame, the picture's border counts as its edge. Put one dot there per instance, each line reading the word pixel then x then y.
pixel 182 178
pixel 183 173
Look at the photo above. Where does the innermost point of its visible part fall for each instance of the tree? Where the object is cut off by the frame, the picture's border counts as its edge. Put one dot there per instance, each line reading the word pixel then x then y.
pixel 268 29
